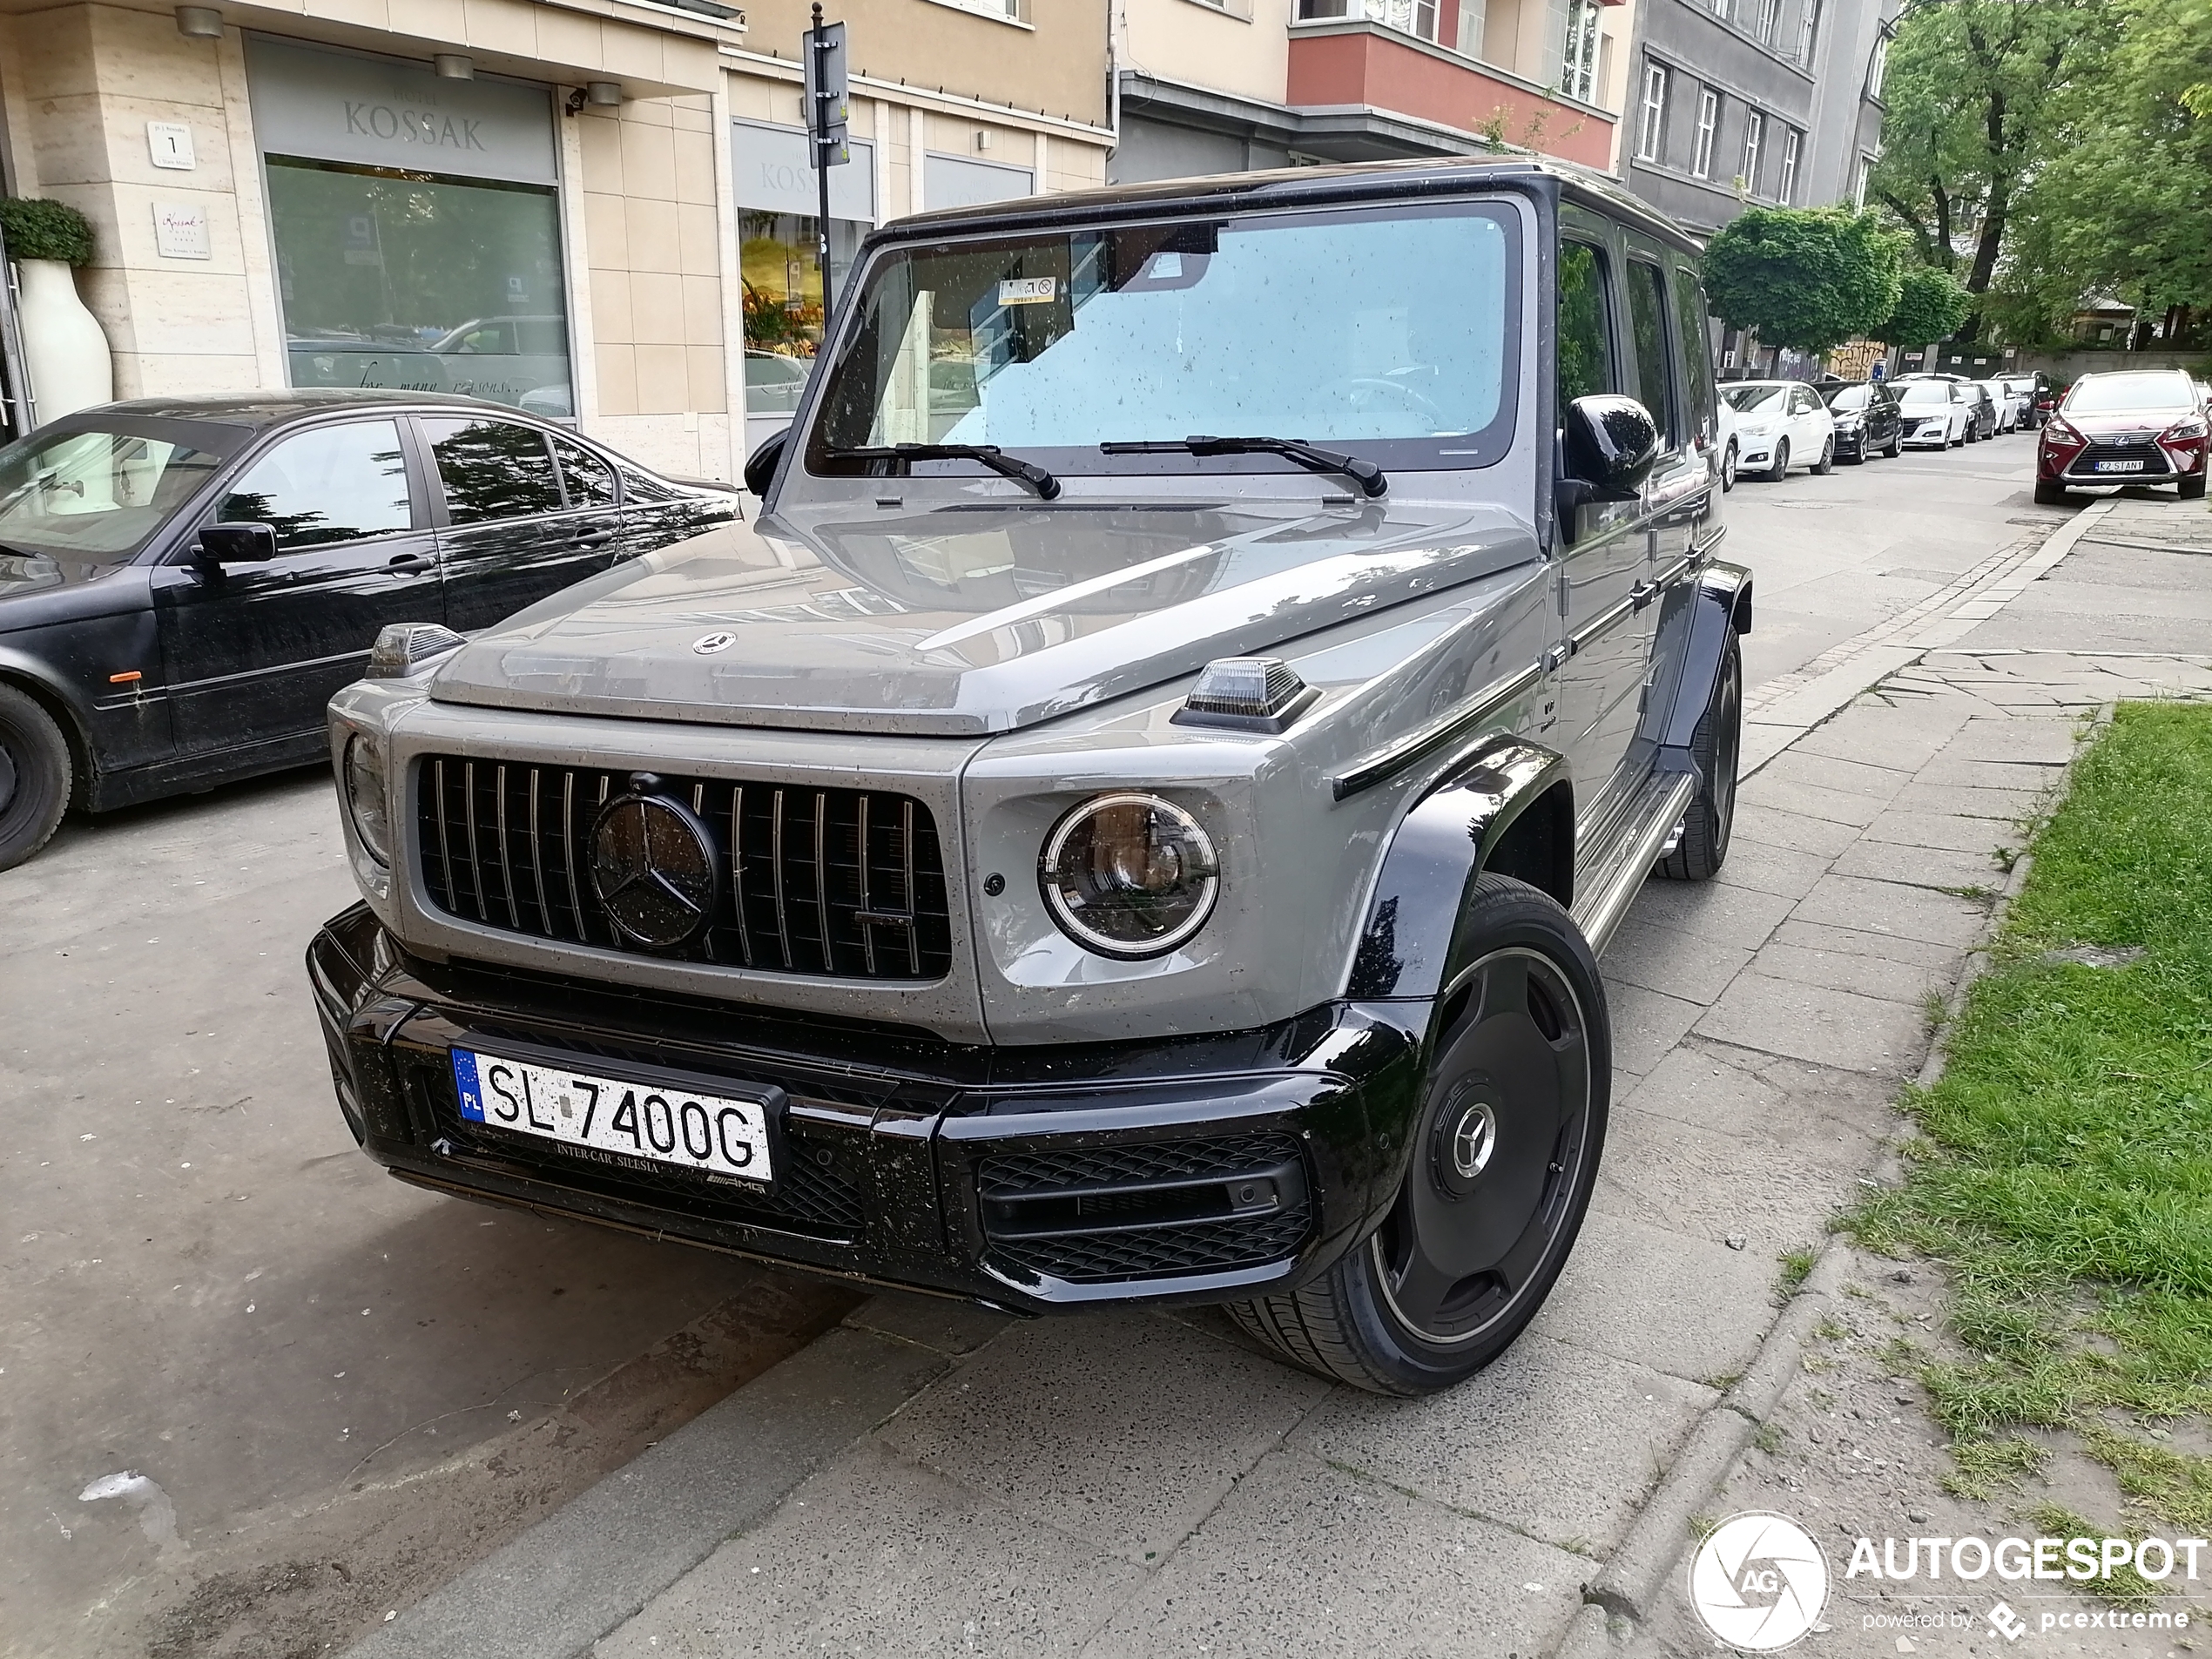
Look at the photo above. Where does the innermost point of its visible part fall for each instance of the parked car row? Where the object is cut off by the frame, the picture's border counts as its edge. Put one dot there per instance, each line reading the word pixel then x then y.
pixel 184 582
pixel 1769 426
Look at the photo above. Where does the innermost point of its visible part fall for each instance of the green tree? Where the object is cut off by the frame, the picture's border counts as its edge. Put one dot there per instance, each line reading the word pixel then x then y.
pixel 1968 94
pixel 1805 277
pixel 1931 304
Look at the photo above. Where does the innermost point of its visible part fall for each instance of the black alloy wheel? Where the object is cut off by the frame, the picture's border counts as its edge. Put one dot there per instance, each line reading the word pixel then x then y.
pixel 1780 469
pixel 2049 494
pixel 1499 1170
pixel 34 777
pixel 1716 746
pixel 1897 444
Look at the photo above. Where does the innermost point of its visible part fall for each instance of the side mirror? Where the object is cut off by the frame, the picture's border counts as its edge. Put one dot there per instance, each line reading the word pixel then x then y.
pixel 760 466
pixel 1611 444
pixel 237 543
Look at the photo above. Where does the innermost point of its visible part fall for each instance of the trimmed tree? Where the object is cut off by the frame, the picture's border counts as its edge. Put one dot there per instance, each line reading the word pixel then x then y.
pixel 1808 278
pixel 36 229
pixel 1931 304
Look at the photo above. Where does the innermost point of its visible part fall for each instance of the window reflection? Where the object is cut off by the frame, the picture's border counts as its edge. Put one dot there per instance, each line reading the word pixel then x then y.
pixel 493 470
pixel 334 484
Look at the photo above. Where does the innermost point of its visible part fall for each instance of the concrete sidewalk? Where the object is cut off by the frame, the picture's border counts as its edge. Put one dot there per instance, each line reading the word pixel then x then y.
pixel 928 1479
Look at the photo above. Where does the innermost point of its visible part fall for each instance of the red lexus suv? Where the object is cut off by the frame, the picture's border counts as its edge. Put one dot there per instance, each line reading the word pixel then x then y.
pixel 2137 427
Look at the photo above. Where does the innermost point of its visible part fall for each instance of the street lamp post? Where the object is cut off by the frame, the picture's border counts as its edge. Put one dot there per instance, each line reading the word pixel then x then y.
pixel 828 109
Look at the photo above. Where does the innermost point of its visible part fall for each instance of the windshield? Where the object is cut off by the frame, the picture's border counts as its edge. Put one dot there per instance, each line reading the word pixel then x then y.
pixel 2119 394
pixel 97 494
pixel 1851 397
pixel 1924 394
pixel 1050 344
pixel 1747 398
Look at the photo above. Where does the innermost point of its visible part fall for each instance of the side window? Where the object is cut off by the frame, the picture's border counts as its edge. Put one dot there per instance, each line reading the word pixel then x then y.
pixel 493 469
pixel 331 483
pixel 1585 336
pixel 590 481
pixel 1696 354
pixel 1648 327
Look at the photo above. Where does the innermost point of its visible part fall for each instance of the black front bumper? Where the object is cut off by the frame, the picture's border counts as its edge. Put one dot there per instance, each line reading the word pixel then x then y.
pixel 1185 1169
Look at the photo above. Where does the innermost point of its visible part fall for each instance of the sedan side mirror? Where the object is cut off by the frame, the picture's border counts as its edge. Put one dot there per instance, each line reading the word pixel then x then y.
pixel 237 543
pixel 1611 444
pixel 760 466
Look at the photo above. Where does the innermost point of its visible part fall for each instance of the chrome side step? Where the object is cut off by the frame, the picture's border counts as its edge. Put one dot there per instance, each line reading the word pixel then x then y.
pixel 1647 826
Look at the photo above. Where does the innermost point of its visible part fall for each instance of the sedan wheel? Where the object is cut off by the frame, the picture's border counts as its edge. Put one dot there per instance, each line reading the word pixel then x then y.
pixel 1728 469
pixel 1498 1170
pixel 1780 470
pixel 34 777
pixel 1827 464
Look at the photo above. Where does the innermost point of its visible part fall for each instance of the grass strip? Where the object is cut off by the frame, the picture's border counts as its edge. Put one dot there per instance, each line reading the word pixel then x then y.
pixel 2064 1169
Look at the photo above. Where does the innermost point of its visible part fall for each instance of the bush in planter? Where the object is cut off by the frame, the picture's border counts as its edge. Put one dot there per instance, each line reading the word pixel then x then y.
pixel 45 230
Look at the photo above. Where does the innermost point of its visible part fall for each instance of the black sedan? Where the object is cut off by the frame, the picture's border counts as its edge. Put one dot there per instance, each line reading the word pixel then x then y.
pixel 1866 419
pixel 184 582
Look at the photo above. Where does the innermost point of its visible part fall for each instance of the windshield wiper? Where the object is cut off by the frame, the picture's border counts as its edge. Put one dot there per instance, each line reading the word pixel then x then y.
pixel 1365 474
pixel 988 454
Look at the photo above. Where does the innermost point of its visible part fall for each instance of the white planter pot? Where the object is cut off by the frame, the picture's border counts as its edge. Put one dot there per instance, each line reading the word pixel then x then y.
pixel 70 368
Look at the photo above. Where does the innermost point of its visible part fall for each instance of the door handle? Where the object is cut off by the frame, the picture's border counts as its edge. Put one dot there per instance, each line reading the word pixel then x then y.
pixel 407 561
pixel 593 538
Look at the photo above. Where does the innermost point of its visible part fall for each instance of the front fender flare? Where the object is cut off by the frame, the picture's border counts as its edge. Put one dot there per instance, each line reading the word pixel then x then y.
pixel 1411 945
pixel 1721 606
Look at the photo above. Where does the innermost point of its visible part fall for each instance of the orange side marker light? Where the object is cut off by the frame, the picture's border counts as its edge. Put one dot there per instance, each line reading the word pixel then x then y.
pixel 125 678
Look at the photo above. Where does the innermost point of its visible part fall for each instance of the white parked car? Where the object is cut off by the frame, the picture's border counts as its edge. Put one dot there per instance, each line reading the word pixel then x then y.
pixel 2005 403
pixel 1935 412
pixel 1780 424
pixel 2021 389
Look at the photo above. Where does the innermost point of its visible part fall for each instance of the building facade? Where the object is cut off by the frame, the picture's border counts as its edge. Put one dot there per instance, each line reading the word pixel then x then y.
pixel 600 209
pixel 1733 102
pixel 1207 88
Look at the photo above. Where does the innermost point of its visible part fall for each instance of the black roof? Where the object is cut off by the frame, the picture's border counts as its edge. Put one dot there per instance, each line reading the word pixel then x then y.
pixel 258 409
pixel 1348 182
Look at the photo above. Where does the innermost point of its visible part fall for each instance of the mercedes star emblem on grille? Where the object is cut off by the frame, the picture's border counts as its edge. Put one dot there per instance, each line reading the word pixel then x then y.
pixel 655 868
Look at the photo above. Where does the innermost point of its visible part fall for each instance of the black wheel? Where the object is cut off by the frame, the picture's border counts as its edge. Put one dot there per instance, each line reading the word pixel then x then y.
pixel 1780 470
pixel 1897 444
pixel 1827 464
pixel 2191 488
pixel 2049 494
pixel 1728 469
pixel 1503 1156
pixel 1701 846
pixel 34 777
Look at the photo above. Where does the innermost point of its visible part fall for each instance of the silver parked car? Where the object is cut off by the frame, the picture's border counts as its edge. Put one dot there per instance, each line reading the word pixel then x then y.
pixel 1135 820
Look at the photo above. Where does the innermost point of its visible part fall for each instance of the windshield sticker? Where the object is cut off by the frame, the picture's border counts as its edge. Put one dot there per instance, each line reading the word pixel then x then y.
pixel 1028 291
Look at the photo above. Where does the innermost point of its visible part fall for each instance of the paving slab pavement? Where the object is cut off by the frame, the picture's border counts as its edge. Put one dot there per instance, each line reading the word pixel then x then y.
pixel 1143 1480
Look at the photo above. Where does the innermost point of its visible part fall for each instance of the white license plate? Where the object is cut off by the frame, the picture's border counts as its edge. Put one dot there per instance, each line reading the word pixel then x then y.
pixel 2122 466
pixel 712 1134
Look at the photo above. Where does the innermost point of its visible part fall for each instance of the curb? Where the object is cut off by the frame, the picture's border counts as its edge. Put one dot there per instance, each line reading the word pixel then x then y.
pixel 1623 1593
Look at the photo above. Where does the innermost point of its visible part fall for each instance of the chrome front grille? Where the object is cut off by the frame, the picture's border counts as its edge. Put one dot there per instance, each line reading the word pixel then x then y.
pixel 845 883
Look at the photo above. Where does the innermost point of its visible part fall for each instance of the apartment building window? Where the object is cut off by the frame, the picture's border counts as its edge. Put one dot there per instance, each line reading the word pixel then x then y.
pixel 1578 51
pixel 1416 17
pixel 1859 184
pixel 1754 134
pixel 1470 20
pixel 1880 69
pixel 1807 31
pixel 1709 121
pixel 1722 9
pixel 1652 121
pixel 1790 140
pixel 1770 21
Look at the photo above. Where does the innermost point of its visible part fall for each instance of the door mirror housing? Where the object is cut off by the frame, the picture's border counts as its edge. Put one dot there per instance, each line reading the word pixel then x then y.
pixel 247 543
pixel 760 466
pixel 1611 445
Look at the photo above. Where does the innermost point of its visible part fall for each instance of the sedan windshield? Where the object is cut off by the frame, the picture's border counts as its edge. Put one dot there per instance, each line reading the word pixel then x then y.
pixel 1926 394
pixel 94 493
pixel 1851 397
pixel 1748 398
pixel 2122 393
pixel 1385 332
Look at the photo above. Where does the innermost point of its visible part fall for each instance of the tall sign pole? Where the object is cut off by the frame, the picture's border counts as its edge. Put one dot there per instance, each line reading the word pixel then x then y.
pixel 827 108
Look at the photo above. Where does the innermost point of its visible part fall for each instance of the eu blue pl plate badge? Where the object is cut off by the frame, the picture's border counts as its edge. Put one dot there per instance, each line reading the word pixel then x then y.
pixel 712 1133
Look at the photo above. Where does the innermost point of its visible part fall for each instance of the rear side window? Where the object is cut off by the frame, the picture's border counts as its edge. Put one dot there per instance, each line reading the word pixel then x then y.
pixel 493 470
pixel 1696 354
pixel 1648 327
pixel 589 480
pixel 1585 334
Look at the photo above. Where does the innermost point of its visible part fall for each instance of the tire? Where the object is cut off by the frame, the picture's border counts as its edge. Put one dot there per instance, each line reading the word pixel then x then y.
pixel 1780 470
pixel 1716 745
pixel 1897 444
pixel 35 777
pixel 1518 1088
pixel 2049 494
pixel 1728 469
pixel 2190 489
pixel 1827 464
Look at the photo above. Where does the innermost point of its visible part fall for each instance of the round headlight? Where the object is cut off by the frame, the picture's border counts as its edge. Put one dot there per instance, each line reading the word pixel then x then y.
pixel 1128 875
pixel 367 802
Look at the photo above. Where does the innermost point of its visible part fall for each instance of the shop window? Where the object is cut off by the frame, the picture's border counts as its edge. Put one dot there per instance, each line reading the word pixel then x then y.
pixel 331 483
pixel 779 261
pixel 419 282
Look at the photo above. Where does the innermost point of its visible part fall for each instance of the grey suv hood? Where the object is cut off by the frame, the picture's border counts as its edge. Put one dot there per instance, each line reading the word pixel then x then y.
pixel 966 619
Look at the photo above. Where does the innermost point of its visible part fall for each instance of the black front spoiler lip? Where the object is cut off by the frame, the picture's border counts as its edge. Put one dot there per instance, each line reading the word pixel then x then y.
pixel 915 1119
